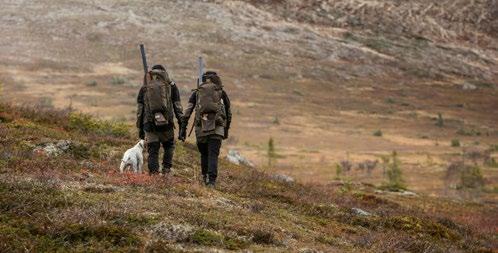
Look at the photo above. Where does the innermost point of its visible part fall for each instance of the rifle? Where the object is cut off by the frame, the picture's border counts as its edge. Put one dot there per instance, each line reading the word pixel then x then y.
pixel 144 59
pixel 199 82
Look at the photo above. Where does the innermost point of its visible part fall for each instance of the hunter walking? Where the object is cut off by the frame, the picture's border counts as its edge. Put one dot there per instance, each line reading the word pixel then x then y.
pixel 212 122
pixel 158 102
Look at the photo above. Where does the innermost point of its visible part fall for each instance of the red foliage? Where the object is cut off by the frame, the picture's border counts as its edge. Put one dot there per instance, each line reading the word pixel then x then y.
pixel 133 179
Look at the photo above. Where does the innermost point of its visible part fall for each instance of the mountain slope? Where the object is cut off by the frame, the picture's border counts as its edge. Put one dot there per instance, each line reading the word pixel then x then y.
pixel 60 190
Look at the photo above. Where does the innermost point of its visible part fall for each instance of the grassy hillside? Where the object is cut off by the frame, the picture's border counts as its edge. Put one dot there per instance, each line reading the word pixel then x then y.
pixel 60 191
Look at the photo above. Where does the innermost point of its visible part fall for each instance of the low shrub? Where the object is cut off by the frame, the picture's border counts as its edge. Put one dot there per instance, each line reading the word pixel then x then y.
pixel 469 132
pixel 471 178
pixel 87 124
pixel 116 80
pixel 206 238
pixel 378 133
pixel 439 120
pixel 455 143
pixel 263 237
pixel 92 83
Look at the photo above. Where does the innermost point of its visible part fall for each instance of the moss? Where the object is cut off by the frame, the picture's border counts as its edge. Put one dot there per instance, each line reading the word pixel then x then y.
pixel 142 220
pixel 11 239
pixel 420 226
pixel 327 240
pixel 320 210
pixel 85 233
pixel 206 238
pixel 30 198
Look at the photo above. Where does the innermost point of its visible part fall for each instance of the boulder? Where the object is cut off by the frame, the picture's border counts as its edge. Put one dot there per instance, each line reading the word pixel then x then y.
pixel 469 86
pixel 235 157
pixel 283 178
pixel 360 212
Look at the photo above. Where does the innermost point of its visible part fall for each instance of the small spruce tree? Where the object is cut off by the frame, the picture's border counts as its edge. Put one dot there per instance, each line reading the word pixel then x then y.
pixel 271 152
pixel 440 120
pixel 395 175
pixel 338 171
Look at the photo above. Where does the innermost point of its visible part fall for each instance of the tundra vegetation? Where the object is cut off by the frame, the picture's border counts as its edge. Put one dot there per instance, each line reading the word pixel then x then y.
pixel 76 201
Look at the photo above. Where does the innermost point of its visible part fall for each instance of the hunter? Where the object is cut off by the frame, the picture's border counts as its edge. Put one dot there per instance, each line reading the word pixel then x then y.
pixel 212 122
pixel 158 100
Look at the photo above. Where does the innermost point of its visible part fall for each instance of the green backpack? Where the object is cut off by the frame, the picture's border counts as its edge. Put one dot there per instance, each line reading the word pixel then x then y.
pixel 158 98
pixel 210 111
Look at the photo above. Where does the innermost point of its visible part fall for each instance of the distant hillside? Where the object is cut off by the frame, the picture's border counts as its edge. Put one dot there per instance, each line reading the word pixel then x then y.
pixel 450 20
pixel 60 191
pixel 328 81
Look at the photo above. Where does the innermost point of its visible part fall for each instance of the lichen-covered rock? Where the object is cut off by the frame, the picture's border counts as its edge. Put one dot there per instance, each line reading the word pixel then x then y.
pixel 53 148
pixel 283 178
pixel 360 212
pixel 172 232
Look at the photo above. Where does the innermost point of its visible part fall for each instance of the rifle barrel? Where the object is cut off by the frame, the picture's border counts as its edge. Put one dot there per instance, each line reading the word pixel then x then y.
pixel 201 71
pixel 144 58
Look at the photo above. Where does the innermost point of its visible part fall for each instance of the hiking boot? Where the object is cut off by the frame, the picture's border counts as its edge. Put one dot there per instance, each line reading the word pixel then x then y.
pixel 166 171
pixel 210 184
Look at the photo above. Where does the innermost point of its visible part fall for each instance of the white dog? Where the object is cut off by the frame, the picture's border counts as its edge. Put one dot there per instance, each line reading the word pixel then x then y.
pixel 133 158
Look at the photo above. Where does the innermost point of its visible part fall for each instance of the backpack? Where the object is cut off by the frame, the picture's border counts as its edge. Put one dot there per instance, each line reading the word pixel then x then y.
pixel 210 109
pixel 158 99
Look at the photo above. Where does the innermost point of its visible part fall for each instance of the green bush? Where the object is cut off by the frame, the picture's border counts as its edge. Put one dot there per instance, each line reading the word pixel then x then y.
pixel 455 143
pixel 378 133
pixel 92 83
pixel 471 178
pixel 87 124
pixel 116 80
pixel 80 151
